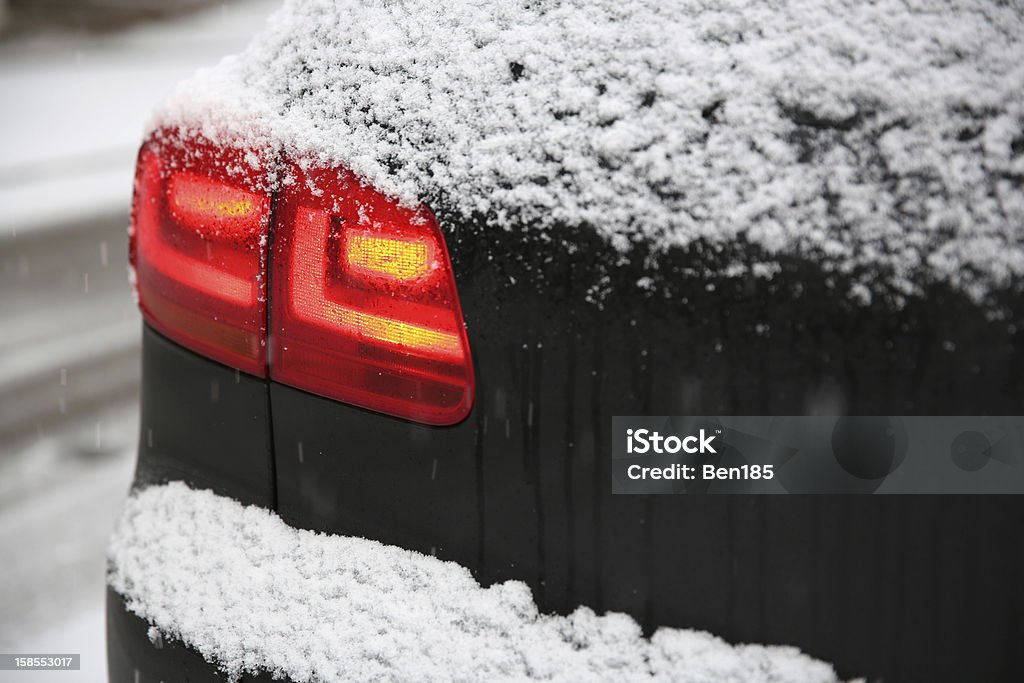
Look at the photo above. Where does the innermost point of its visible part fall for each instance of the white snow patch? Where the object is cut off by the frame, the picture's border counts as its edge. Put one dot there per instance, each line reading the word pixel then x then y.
pixel 886 138
pixel 251 593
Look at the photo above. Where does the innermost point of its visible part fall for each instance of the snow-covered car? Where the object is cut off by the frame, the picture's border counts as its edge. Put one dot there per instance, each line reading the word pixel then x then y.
pixel 400 264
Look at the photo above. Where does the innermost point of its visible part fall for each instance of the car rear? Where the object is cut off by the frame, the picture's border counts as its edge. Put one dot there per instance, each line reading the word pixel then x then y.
pixel 436 374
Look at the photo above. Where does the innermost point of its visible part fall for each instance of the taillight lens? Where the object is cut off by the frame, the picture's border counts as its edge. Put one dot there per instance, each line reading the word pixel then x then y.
pixel 364 310
pixel 200 222
pixel 364 305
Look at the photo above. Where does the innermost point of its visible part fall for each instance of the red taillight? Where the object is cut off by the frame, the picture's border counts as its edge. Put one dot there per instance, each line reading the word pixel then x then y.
pixel 199 247
pixel 364 306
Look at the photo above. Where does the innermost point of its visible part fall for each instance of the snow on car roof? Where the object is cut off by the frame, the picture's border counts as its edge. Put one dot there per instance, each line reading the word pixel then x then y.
pixel 251 593
pixel 883 139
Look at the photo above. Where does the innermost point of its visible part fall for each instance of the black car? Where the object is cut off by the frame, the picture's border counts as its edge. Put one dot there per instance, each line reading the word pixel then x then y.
pixel 401 264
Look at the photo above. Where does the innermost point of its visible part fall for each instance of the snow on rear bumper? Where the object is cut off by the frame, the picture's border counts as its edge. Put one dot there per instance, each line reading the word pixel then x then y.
pixel 252 594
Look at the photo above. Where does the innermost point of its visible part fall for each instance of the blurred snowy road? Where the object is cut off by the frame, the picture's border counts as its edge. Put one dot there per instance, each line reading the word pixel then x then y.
pixel 74 109
pixel 69 342
pixel 58 497
pixel 74 112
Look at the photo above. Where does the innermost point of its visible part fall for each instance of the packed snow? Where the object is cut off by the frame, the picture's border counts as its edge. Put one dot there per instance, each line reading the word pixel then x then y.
pixel 883 139
pixel 253 594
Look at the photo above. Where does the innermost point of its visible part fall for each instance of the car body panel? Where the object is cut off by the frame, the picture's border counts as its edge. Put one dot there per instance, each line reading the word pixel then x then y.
pixel 905 587
pixel 203 423
pixel 520 490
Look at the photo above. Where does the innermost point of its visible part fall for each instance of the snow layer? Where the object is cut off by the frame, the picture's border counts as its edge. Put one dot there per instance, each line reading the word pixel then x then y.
pixel 251 593
pixel 885 139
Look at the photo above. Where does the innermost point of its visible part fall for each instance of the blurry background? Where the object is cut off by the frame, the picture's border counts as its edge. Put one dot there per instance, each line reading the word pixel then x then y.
pixel 78 79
